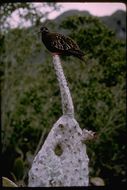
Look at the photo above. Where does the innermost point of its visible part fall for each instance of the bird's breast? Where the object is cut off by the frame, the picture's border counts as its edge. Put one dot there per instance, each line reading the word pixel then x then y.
pixel 49 41
pixel 46 39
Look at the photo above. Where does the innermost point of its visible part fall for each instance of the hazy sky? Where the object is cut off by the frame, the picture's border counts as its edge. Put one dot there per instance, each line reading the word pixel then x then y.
pixel 96 9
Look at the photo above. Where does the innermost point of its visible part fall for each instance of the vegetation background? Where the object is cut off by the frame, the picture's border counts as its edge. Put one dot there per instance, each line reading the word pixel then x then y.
pixel 31 98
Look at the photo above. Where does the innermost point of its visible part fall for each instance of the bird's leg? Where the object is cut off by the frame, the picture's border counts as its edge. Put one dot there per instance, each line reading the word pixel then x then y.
pixel 55 53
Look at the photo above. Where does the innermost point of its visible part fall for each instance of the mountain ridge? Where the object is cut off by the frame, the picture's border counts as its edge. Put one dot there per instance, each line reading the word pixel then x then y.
pixel 116 21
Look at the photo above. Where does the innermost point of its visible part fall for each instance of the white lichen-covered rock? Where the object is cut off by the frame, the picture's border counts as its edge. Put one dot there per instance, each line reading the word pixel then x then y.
pixel 62 160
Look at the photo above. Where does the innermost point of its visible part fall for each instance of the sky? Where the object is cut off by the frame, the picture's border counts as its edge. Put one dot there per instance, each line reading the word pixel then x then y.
pixel 96 9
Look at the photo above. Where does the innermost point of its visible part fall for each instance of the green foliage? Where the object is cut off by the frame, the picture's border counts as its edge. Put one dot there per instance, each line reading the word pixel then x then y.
pixel 31 97
pixel 98 91
pixel 25 11
pixel 18 168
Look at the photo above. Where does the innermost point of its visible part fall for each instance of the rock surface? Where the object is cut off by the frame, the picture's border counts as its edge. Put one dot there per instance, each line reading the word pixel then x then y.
pixel 62 160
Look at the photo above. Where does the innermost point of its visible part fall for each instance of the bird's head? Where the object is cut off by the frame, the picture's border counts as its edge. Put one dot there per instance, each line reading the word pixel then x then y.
pixel 44 29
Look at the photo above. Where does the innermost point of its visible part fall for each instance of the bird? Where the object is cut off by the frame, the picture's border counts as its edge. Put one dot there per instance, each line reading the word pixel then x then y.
pixel 59 44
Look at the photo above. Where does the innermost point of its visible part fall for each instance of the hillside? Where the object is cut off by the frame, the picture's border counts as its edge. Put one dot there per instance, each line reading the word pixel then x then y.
pixel 62 16
pixel 116 22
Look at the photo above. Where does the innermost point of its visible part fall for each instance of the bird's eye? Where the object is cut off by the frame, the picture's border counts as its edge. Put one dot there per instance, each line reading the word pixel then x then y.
pixel 44 29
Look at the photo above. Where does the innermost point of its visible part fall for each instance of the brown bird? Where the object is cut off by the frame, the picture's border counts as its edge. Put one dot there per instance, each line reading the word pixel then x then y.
pixel 59 44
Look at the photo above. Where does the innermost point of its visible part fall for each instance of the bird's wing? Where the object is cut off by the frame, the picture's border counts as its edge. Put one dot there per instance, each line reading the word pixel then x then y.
pixel 62 42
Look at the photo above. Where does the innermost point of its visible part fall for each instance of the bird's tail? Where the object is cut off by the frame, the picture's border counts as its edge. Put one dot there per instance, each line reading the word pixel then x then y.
pixel 78 53
pixel 80 57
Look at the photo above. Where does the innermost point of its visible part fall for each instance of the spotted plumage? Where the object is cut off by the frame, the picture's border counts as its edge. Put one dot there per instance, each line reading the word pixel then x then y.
pixel 60 44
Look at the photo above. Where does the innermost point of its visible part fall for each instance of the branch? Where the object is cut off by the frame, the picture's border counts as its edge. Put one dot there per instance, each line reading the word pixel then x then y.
pixel 67 104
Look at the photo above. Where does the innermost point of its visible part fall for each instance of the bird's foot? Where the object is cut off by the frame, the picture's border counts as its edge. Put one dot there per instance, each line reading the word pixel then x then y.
pixel 53 54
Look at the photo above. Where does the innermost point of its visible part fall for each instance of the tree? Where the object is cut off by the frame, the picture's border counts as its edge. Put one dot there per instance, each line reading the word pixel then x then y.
pixel 101 98
pixel 31 102
pixel 31 12
pixel 18 47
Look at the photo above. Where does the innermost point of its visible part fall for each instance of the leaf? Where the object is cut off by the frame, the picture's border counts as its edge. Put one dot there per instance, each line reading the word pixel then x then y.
pixel 8 183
